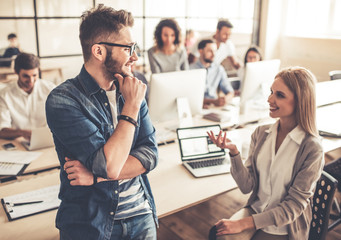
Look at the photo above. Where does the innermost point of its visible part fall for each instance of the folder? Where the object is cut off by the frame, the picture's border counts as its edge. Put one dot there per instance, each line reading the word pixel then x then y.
pixel 30 203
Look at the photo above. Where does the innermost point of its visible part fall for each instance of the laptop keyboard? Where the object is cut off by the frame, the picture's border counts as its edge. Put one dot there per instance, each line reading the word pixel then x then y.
pixel 206 163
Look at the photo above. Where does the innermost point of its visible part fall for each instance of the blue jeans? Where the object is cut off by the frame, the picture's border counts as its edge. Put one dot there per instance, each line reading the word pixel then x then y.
pixel 141 227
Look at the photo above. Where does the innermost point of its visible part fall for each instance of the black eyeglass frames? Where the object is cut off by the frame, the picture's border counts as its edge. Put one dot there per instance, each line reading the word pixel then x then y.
pixel 132 47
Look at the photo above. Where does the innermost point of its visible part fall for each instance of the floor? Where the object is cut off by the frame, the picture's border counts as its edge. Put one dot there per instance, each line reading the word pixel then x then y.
pixel 195 222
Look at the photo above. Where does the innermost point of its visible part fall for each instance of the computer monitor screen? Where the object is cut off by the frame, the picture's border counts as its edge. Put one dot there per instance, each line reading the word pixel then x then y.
pixel 257 82
pixel 166 88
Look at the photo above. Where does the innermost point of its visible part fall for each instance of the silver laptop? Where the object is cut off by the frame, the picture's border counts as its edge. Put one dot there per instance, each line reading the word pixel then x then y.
pixel 199 154
pixel 40 138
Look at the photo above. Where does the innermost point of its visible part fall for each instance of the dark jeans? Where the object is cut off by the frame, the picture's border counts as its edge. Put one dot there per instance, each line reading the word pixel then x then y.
pixel 141 227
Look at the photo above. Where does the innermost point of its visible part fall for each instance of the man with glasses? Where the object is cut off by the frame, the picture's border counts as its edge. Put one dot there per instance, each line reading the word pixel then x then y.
pixel 104 137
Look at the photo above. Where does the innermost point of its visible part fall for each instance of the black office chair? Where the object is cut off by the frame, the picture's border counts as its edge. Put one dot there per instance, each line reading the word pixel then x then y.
pixel 334 169
pixel 212 233
pixel 336 74
pixel 321 204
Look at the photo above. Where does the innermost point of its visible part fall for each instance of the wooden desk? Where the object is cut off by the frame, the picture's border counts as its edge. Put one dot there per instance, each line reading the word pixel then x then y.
pixel 47 160
pixel 52 73
pixel 174 189
pixel 37 227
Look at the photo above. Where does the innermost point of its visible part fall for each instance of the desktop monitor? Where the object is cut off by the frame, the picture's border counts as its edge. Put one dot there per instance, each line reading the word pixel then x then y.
pixel 167 88
pixel 257 82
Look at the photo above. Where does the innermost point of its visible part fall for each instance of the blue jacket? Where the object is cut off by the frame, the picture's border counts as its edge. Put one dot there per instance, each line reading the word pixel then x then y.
pixel 79 116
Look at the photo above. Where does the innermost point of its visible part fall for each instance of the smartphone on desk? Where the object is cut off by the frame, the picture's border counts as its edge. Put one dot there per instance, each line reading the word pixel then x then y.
pixel 9 146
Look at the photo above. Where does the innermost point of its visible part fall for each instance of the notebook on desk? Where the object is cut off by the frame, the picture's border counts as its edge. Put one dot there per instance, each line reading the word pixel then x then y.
pixel 40 138
pixel 199 154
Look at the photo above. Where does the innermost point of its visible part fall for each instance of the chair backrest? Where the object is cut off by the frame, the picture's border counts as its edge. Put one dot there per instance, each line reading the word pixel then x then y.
pixel 321 204
pixel 212 233
pixel 334 169
pixel 336 74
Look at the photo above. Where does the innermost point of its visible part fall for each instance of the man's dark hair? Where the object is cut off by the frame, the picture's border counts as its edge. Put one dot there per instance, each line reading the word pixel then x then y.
pixel 11 35
pixel 171 23
pixel 97 24
pixel 224 23
pixel 202 44
pixel 26 61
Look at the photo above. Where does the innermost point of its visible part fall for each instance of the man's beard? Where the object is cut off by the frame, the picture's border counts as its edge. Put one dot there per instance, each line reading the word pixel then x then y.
pixel 208 60
pixel 111 67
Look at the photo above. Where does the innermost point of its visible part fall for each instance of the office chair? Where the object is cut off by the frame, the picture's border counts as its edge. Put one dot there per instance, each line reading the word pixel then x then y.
pixel 212 233
pixel 336 74
pixel 334 169
pixel 321 204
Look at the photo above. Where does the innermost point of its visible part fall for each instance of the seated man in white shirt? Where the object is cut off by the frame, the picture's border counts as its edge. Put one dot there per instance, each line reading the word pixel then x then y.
pixel 216 77
pixel 225 47
pixel 22 102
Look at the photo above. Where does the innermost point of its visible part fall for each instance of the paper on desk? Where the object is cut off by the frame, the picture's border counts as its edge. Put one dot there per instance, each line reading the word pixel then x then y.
pixel 48 195
pixel 20 157
pixel 7 169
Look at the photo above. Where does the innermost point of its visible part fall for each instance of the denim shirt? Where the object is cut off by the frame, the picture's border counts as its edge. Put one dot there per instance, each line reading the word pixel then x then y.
pixel 79 116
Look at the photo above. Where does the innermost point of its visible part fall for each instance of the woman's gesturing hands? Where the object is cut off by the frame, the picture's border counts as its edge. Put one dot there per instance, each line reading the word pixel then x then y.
pixel 223 142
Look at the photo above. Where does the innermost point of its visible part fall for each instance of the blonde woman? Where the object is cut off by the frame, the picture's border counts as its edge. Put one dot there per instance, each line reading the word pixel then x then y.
pixel 285 161
pixel 167 55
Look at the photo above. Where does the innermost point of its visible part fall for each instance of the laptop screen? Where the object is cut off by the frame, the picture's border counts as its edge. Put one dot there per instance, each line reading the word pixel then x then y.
pixel 328 119
pixel 194 142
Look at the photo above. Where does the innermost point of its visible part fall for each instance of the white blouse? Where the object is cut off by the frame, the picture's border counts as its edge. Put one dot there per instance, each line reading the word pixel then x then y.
pixel 275 171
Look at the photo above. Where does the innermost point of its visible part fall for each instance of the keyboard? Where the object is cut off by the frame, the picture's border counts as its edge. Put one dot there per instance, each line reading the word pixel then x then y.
pixel 207 163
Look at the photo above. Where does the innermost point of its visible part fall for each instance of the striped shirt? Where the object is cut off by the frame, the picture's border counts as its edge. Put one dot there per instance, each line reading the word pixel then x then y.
pixel 132 200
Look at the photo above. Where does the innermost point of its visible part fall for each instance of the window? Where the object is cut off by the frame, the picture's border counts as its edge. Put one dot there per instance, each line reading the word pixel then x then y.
pixel 50 28
pixel 314 18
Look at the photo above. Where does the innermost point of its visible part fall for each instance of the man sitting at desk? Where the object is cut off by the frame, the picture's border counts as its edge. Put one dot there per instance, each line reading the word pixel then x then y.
pixel 22 102
pixel 216 77
pixel 10 52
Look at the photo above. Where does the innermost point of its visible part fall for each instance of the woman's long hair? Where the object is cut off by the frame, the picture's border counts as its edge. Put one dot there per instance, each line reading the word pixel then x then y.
pixel 302 83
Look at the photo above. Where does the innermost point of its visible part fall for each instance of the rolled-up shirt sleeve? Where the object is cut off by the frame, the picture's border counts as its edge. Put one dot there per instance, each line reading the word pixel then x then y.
pixel 145 147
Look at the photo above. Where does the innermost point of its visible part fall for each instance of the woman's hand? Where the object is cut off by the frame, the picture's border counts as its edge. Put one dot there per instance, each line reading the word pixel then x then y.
pixel 77 173
pixel 225 226
pixel 223 142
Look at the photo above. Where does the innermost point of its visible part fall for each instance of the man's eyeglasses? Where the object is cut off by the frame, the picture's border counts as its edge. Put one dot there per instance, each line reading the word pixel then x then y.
pixel 132 47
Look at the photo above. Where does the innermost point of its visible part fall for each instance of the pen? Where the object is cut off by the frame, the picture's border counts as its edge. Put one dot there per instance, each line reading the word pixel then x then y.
pixel 23 203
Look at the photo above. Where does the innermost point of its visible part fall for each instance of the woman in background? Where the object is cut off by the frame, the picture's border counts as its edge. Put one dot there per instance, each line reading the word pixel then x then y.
pixel 253 54
pixel 285 160
pixel 167 55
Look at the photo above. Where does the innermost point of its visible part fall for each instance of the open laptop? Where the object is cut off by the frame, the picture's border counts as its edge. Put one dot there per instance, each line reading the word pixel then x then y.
pixel 199 154
pixel 40 138
pixel 329 120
